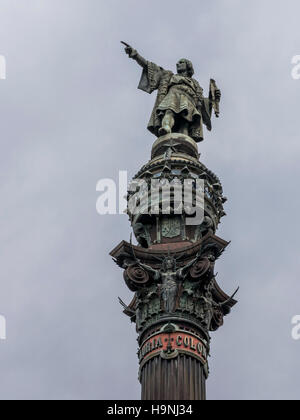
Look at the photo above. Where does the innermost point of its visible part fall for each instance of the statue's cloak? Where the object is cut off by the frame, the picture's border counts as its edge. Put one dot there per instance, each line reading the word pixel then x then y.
pixel 156 78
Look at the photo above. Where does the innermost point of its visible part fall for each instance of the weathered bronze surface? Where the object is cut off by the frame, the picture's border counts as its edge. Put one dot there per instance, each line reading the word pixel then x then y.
pixel 177 301
pixel 180 105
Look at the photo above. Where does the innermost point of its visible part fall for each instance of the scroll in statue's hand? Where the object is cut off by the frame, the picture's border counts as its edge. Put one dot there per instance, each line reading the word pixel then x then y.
pixel 218 95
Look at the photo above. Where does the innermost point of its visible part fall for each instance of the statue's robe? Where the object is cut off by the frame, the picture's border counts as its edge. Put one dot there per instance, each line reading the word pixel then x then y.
pixel 182 95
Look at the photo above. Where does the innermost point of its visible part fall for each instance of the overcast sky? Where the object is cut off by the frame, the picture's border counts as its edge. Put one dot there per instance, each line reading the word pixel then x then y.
pixel 70 114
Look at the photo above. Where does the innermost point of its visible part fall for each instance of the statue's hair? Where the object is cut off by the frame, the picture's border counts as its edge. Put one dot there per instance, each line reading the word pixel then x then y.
pixel 168 258
pixel 190 67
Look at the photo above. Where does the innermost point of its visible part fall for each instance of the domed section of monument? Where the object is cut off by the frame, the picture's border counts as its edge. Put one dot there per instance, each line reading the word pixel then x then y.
pixel 174 198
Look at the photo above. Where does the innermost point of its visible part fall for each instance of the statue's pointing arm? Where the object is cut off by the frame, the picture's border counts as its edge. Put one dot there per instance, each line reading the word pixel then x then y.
pixel 132 53
pixel 152 73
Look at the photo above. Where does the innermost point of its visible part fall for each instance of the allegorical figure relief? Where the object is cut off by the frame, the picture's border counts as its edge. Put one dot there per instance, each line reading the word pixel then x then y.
pixel 169 278
pixel 180 106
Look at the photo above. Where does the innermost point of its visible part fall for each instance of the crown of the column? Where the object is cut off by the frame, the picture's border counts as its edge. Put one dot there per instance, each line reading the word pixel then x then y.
pixel 161 221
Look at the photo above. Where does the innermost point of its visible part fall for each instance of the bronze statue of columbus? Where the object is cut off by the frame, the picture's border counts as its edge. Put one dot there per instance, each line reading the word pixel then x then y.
pixel 180 105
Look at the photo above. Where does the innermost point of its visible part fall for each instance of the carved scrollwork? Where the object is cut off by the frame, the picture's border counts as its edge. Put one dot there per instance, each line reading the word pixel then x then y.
pixel 136 277
pixel 217 319
pixel 200 268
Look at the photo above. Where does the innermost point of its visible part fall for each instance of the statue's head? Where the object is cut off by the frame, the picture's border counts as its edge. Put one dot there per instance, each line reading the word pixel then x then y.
pixel 169 263
pixel 185 66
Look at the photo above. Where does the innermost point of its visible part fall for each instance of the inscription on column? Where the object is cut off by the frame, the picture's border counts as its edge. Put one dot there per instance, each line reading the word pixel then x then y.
pixel 176 343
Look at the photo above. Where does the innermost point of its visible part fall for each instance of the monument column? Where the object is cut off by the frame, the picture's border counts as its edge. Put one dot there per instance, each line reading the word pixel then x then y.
pixel 175 204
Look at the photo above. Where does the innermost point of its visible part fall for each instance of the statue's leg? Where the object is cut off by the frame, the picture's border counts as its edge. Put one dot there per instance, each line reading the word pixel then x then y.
pixel 184 127
pixel 167 123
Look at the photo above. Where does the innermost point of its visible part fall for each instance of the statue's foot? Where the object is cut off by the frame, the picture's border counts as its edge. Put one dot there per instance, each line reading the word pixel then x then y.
pixel 166 129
